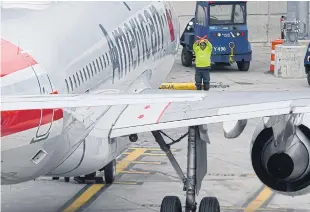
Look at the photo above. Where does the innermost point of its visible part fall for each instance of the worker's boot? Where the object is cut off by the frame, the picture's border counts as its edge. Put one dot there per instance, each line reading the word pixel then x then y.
pixel 198 87
pixel 206 87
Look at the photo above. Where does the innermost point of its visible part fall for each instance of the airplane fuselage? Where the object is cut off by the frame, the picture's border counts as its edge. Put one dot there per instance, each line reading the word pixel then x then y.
pixel 77 47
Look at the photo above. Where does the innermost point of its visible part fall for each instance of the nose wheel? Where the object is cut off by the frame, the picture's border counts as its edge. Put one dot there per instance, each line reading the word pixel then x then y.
pixel 196 171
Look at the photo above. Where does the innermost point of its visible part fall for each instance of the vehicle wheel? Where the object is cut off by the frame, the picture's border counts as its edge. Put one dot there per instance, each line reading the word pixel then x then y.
pixel 171 204
pixel 110 172
pixel 308 77
pixel 186 57
pixel 243 65
pixel 55 178
pixel 209 204
pixel 67 179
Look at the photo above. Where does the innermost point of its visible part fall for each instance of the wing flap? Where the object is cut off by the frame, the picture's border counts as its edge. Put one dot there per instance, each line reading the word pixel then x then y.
pixel 213 109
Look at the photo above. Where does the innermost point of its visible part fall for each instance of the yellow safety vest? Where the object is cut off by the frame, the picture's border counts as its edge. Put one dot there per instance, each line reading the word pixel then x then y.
pixel 203 57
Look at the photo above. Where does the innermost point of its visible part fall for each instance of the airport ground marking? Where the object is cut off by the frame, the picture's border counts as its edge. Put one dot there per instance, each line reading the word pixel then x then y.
pixel 262 197
pixel 90 192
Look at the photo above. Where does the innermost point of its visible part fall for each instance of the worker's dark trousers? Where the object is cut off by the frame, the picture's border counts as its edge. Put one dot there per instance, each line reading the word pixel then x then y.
pixel 202 75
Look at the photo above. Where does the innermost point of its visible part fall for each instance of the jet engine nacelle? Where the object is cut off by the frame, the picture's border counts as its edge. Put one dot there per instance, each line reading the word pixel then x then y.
pixel 280 153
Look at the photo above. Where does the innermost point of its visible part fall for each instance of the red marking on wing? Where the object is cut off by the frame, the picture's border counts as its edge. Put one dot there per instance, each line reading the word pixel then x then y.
pixel 162 112
pixel 147 107
pixel 141 116
pixel 170 24
pixel 12 60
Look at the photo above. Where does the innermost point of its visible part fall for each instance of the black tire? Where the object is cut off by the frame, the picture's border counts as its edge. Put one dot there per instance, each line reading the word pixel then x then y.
pixel 67 179
pixel 55 178
pixel 171 204
pixel 308 77
pixel 110 172
pixel 243 65
pixel 209 204
pixel 91 175
pixel 186 57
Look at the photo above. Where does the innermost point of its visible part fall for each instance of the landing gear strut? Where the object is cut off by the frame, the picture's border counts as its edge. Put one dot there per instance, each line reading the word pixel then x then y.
pixel 196 170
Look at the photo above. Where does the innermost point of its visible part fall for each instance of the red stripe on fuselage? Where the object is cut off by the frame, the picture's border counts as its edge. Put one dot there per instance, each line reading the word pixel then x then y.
pixel 20 120
pixel 12 59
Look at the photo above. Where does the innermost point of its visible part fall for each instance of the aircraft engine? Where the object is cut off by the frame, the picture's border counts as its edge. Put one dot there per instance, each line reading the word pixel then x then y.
pixel 280 153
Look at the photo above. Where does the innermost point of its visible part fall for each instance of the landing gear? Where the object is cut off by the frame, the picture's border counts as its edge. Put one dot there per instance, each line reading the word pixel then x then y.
pixel 171 204
pixel 110 172
pixel 196 170
pixel 209 204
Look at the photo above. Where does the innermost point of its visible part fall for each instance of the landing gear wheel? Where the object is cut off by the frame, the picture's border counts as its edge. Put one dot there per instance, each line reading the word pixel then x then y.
pixel 243 65
pixel 171 204
pixel 209 204
pixel 186 57
pixel 67 179
pixel 308 77
pixel 110 172
pixel 90 176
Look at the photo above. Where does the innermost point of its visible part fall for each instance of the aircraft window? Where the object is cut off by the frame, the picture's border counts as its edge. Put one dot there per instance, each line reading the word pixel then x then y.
pixel 81 75
pixel 94 67
pixel 106 54
pixel 71 83
pixel 101 63
pixel 67 85
pixel 200 16
pixel 91 69
pixel 97 65
pixel 85 74
pixel 74 81
pixel 88 71
pixel 78 78
pixel 105 65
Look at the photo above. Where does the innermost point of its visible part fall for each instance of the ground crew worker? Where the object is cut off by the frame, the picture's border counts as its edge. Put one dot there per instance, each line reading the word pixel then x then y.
pixel 203 50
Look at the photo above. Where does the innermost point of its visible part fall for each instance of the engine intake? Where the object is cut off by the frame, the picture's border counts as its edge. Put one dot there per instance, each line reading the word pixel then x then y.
pixel 282 160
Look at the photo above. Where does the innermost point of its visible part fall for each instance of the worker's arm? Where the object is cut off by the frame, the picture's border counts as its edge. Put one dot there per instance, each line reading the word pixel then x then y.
pixel 209 46
pixel 196 45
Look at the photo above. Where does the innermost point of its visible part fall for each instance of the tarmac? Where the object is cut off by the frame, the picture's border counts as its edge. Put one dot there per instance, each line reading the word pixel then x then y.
pixel 145 176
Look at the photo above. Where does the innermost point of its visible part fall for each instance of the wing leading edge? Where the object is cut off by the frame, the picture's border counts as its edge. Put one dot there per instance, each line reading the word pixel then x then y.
pixel 215 108
pixel 28 102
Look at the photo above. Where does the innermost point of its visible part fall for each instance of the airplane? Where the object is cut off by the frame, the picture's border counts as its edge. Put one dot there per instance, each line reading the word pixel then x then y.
pixel 80 80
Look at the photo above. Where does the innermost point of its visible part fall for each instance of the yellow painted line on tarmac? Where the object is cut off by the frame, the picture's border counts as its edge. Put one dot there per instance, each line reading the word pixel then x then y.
pixel 135 172
pixel 259 200
pixel 82 199
pixel 147 162
pixel 147 154
pixel 92 190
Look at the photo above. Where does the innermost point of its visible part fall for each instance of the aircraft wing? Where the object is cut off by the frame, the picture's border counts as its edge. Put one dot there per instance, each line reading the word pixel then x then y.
pixel 216 107
pixel 102 98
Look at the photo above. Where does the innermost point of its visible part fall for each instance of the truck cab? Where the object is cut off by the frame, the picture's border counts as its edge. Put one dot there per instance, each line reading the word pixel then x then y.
pixel 225 26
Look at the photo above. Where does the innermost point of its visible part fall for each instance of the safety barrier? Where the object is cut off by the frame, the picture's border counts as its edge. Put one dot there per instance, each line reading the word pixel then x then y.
pixel 273 56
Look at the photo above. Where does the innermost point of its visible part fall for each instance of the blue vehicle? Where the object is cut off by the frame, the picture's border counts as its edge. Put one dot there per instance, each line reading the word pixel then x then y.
pixel 307 63
pixel 225 25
